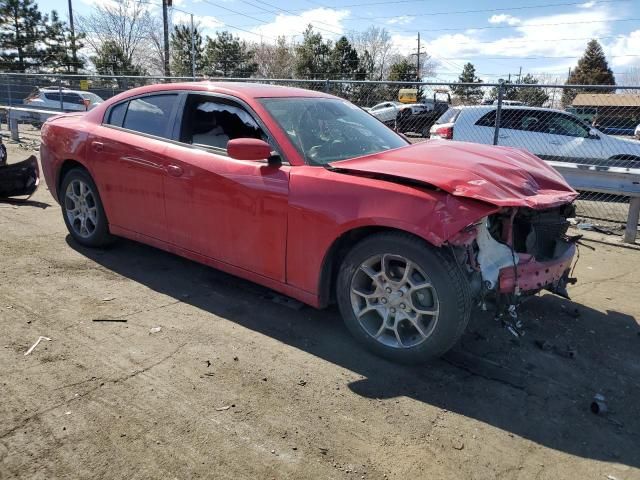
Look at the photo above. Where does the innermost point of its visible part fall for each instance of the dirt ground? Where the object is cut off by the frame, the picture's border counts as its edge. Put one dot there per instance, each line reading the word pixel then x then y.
pixel 235 385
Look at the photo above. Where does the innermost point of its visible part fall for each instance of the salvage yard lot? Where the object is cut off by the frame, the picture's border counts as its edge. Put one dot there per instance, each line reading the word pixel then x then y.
pixel 235 385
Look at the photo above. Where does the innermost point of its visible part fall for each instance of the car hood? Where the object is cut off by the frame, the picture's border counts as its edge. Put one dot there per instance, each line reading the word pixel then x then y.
pixel 502 176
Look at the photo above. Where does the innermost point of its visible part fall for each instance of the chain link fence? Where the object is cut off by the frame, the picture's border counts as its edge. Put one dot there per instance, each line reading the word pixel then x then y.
pixel 588 125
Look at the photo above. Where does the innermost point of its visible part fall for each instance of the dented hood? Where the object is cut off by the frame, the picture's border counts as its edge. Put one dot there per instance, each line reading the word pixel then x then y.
pixel 502 176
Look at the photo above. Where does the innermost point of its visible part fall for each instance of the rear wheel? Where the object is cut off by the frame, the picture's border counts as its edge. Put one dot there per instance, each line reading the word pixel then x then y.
pixel 403 299
pixel 82 209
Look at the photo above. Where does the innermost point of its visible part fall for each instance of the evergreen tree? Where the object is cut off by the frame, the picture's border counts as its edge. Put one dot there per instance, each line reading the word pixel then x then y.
pixel 111 60
pixel 312 56
pixel 22 34
pixel 532 96
pixel 402 70
pixel 468 94
pixel 181 61
pixel 58 56
pixel 344 62
pixel 592 69
pixel 228 56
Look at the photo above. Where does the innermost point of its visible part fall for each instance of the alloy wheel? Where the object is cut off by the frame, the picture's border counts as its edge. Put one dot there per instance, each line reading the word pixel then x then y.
pixel 394 301
pixel 81 208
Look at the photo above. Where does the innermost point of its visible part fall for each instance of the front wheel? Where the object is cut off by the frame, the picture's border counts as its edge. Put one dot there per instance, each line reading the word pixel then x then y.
pixel 402 298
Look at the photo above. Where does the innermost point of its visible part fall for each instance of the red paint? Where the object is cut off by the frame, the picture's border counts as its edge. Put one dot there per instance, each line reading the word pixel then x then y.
pixel 248 149
pixel 534 275
pixel 276 224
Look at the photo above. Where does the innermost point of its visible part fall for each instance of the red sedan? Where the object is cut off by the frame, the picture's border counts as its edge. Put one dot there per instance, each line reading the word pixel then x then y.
pixel 311 196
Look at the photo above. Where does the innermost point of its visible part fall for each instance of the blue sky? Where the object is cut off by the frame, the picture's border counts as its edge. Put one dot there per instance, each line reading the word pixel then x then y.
pixel 497 36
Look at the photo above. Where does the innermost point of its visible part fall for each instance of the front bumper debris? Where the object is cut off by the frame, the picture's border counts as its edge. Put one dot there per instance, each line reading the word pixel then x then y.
pixel 533 275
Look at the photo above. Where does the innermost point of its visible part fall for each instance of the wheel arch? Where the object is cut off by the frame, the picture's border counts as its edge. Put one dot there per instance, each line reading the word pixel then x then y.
pixel 66 166
pixel 338 250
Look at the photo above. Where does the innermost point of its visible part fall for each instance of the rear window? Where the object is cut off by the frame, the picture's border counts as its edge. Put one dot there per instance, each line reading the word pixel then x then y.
pixel 449 116
pixel 116 115
pixel 487 120
pixel 151 114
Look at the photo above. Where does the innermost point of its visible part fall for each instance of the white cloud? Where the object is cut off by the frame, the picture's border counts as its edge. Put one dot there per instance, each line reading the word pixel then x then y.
pixel 544 36
pixel 623 50
pixel 207 23
pixel 326 21
pixel 589 4
pixel 401 20
pixel 504 18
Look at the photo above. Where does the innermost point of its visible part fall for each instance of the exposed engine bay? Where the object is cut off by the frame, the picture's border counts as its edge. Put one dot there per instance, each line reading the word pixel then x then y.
pixel 516 253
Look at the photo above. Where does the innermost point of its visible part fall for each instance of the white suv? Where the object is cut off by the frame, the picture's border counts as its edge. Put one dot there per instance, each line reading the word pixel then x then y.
pixel 549 134
pixel 72 100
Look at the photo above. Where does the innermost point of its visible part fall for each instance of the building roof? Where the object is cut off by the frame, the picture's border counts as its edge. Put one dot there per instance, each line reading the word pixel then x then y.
pixel 606 100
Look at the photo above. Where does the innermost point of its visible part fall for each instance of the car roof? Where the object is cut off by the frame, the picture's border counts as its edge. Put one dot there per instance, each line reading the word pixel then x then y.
pixel 488 108
pixel 244 90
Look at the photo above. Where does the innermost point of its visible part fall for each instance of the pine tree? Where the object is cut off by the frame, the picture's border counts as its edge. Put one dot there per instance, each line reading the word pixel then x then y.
pixel 343 61
pixel 228 56
pixel 22 33
pixel 312 56
pixel 111 60
pixel 532 96
pixel 402 70
pixel 592 69
pixel 468 94
pixel 181 61
pixel 58 55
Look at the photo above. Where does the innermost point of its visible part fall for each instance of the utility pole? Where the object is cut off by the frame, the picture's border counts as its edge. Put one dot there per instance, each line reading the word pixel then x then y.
pixel 165 22
pixel 519 74
pixel 418 60
pixel 73 39
pixel 193 49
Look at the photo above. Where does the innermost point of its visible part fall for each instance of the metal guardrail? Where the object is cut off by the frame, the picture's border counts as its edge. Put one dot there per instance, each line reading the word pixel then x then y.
pixel 611 180
pixel 20 114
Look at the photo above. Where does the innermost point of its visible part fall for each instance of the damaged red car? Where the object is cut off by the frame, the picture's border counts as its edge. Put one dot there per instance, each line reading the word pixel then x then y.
pixel 310 196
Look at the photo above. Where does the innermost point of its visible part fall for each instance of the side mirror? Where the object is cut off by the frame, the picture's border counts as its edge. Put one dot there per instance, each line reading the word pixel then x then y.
pixel 593 133
pixel 248 149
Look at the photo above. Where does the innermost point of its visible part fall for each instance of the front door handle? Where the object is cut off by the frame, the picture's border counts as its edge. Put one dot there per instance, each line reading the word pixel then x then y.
pixel 503 136
pixel 97 146
pixel 554 142
pixel 174 170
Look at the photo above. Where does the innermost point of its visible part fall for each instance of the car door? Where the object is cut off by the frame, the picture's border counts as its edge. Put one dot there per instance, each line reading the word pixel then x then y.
pixel 229 210
pixel 129 161
pixel 570 140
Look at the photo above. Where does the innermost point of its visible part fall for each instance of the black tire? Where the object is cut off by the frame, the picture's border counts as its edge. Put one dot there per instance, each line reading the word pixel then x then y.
pixel 99 236
pixel 444 274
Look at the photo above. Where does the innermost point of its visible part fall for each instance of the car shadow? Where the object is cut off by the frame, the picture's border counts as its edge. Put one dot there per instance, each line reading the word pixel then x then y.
pixel 539 387
pixel 26 203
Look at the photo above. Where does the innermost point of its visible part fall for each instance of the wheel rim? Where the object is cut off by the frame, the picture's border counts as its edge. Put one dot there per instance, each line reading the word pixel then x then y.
pixel 394 301
pixel 80 208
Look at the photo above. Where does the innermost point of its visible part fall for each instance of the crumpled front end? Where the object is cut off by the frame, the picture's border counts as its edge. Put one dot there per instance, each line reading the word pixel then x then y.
pixel 517 252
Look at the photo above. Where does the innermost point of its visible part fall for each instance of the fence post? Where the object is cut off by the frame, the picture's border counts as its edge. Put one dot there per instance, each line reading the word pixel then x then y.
pixel 60 93
pixel 326 86
pixel 9 90
pixel 13 127
pixel 631 231
pixel 496 132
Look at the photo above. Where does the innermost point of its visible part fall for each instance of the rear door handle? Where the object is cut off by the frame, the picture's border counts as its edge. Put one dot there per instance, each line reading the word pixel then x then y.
pixel 174 170
pixel 503 136
pixel 97 146
pixel 554 142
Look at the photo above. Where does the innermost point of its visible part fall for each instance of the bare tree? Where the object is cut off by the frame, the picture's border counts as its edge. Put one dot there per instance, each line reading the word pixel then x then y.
pixel 377 42
pixel 126 23
pixel 275 61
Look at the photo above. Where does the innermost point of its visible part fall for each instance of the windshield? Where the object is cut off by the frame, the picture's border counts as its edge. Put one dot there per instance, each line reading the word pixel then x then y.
pixel 326 130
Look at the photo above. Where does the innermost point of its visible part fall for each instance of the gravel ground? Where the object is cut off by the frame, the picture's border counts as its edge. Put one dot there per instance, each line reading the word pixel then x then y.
pixel 205 376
